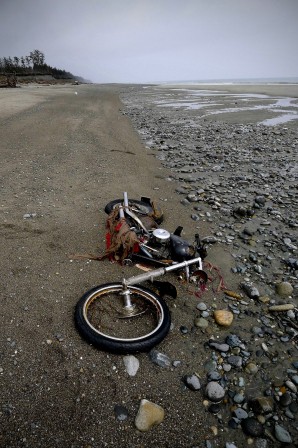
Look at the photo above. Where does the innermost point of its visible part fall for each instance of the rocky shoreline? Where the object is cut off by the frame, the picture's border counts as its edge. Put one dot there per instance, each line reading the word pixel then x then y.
pixel 240 180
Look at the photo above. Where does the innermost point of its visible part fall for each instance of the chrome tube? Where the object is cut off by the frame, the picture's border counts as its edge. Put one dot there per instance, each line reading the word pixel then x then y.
pixel 121 212
pixel 143 277
pixel 161 271
pixel 125 197
pixel 185 263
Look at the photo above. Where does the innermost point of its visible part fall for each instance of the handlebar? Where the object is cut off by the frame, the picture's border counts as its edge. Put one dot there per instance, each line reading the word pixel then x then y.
pixel 161 271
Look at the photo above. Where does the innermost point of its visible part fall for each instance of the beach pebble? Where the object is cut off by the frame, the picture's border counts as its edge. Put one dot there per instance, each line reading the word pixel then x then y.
pixel 235 361
pixel 213 375
pixel 251 291
pixel 292 263
pixel 233 423
pixel 234 341
pixel 240 413
pixel 219 347
pixel 251 367
pixel 290 385
pixel 239 398
pixel 192 197
pixel 291 314
pixel 121 413
pixel 250 228
pixel 214 391
pixel 132 364
pixel 29 215
pixel 209 240
pixel 241 381
pixel 202 306
pixel 261 200
pixel 192 382
pixel 284 289
pixel 293 407
pixel 200 322
pixel 214 429
pixel 183 329
pixel 281 434
pixel 261 443
pixel 289 244
pixel 223 317
pixel 159 358
pixel 252 427
pixel 285 307
pixel 227 367
pixel 176 363
pixel 210 365
pixel 214 408
pixel 285 400
pixel 149 415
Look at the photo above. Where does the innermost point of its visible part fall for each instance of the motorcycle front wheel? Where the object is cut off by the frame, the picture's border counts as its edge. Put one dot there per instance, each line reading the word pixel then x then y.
pixel 102 319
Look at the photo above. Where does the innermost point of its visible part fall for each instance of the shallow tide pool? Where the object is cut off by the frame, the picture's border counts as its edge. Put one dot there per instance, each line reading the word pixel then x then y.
pixel 285 108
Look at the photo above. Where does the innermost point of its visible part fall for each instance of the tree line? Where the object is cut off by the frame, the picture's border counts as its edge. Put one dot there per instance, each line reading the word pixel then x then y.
pixel 33 64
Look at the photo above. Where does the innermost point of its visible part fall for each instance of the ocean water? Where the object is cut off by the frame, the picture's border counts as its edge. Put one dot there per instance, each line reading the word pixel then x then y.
pixel 281 80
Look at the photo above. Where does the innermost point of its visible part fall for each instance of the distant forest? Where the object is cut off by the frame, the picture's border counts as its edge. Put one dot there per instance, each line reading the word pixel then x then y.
pixel 34 64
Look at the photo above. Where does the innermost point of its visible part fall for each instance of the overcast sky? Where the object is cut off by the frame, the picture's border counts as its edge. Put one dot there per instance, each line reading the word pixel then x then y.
pixel 155 40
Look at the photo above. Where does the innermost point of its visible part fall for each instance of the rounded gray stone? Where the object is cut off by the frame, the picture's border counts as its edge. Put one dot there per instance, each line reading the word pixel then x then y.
pixel 192 382
pixel 160 359
pixel 200 322
pixel 282 435
pixel 214 391
pixel 284 289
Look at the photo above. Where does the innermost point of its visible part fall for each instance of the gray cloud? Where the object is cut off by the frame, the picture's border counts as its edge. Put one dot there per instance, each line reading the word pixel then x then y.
pixel 155 40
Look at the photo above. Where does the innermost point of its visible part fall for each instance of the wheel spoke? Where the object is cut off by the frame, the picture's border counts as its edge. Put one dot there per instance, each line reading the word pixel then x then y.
pixel 103 320
pixel 106 313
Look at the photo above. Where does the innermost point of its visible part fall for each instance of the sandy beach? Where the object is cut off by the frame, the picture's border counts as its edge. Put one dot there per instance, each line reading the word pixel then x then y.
pixel 66 152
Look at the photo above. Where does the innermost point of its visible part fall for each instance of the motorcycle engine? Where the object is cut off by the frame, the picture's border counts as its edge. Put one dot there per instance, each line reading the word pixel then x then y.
pixel 161 236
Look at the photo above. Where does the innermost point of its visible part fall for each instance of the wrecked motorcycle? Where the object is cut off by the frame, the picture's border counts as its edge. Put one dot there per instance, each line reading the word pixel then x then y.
pixel 134 235
pixel 125 317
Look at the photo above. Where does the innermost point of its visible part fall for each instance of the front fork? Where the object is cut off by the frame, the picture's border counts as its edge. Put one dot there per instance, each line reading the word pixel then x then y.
pixel 128 306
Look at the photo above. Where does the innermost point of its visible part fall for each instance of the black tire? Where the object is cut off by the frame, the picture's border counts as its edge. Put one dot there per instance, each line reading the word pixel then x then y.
pixel 92 321
pixel 143 207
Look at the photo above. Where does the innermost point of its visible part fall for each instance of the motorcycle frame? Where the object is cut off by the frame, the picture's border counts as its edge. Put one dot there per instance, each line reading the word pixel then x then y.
pixel 153 274
pixel 128 306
